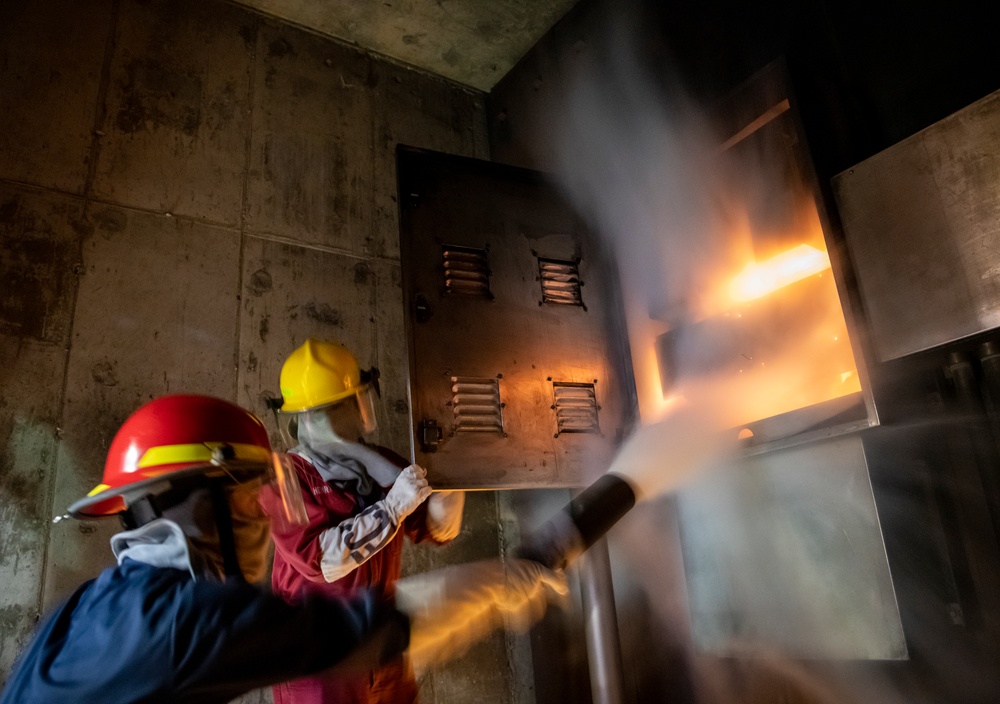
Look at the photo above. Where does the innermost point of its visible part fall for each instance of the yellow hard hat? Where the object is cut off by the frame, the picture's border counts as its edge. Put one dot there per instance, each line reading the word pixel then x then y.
pixel 319 374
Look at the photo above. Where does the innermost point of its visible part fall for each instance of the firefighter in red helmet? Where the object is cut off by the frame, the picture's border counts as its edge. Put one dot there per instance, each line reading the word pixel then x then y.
pixel 177 619
pixel 360 500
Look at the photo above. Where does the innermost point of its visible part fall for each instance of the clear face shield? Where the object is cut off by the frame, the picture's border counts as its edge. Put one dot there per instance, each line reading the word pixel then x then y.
pixel 349 420
pixel 271 484
pixel 262 495
pixel 281 496
pixel 366 399
pixel 366 409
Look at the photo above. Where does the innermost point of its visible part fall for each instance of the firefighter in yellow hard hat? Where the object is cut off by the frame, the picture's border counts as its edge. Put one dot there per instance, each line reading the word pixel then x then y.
pixel 360 500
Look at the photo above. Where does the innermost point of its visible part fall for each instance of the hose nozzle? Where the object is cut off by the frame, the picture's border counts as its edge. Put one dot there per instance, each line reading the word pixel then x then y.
pixel 580 524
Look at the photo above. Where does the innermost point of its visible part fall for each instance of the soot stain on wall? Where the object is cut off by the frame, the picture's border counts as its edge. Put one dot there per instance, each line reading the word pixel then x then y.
pixel 155 97
pixel 35 263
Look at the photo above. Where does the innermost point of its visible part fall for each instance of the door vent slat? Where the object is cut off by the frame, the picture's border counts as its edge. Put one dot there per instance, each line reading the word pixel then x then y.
pixel 560 282
pixel 576 407
pixel 476 404
pixel 466 272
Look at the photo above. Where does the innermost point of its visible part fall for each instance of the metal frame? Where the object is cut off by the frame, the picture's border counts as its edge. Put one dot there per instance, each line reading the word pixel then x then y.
pixel 841 415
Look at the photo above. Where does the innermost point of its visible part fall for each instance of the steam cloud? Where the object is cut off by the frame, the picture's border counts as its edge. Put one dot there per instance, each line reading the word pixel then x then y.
pixel 646 172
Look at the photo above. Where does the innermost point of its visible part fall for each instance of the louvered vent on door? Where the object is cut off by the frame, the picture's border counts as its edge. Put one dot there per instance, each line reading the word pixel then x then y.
pixel 466 272
pixel 560 282
pixel 476 404
pixel 575 405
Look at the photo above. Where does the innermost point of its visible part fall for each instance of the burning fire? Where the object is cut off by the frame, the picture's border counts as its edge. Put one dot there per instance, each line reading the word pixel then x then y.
pixel 761 278
pixel 778 370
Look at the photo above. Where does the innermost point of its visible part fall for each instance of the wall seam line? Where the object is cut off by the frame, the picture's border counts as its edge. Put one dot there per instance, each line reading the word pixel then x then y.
pixel 244 206
pixel 99 116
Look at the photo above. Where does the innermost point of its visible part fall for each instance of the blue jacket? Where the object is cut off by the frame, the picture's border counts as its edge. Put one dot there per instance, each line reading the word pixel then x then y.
pixel 140 633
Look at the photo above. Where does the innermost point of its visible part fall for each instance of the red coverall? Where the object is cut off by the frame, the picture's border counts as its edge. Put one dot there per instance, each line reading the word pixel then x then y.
pixel 297 572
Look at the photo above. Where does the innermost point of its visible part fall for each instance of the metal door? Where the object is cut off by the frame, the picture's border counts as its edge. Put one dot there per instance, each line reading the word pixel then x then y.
pixel 517 372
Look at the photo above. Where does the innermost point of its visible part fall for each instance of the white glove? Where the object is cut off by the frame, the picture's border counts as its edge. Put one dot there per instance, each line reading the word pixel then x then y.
pixel 453 608
pixel 407 492
pixel 444 514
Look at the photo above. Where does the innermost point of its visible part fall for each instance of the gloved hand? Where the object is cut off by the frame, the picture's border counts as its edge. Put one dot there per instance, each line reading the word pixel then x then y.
pixel 453 608
pixel 444 514
pixel 407 492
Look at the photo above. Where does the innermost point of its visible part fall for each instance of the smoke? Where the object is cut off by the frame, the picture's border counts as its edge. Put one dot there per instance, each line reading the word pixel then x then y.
pixel 644 167
pixel 781 560
pixel 684 216
pixel 665 456
pixel 640 170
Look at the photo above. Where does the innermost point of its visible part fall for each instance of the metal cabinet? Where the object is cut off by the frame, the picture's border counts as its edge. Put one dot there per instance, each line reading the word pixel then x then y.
pixel 518 375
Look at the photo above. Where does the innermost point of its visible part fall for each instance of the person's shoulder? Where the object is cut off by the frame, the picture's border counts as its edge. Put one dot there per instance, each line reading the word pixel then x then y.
pixel 134 598
pixel 215 602
pixel 131 572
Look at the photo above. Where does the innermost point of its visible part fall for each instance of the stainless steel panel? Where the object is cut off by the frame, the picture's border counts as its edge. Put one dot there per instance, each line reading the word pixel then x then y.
pixel 785 550
pixel 525 346
pixel 922 222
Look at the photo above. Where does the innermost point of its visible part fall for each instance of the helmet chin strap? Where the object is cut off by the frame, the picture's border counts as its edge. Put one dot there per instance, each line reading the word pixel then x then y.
pixel 233 544
pixel 152 506
pixel 224 526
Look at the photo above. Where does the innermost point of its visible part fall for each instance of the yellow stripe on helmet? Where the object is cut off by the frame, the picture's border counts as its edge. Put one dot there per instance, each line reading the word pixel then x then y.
pixel 98 489
pixel 200 452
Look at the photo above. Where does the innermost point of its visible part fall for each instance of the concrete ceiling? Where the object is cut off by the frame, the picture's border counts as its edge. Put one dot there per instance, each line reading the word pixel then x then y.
pixel 472 42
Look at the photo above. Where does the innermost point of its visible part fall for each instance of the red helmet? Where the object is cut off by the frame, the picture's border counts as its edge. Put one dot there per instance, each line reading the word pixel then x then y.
pixel 173 438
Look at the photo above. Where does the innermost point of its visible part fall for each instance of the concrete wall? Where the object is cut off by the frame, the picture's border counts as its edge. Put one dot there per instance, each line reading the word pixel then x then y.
pixel 187 191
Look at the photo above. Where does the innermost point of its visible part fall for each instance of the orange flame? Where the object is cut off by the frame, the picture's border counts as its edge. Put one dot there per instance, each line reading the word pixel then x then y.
pixel 761 278
pixel 809 363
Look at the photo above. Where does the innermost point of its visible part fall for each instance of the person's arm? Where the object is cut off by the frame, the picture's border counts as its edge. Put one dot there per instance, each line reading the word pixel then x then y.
pixel 439 519
pixel 233 637
pixel 323 552
pixel 451 609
